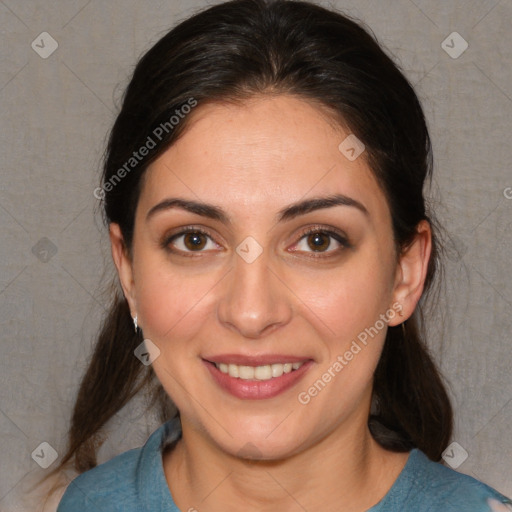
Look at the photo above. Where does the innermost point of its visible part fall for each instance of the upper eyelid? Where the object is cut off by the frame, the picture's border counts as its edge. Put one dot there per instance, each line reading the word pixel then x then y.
pixel 166 241
pixel 330 231
pixel 339 237
pixel 187 230
pixel 302 232
pixel 323 229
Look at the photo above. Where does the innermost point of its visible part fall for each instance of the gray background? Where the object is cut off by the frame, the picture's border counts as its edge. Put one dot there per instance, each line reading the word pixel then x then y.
pixel 54 256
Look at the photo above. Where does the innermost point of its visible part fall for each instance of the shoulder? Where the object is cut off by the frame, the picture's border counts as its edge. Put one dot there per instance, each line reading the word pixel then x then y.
pixel 111 485
pixel 116 485
pixel 430 486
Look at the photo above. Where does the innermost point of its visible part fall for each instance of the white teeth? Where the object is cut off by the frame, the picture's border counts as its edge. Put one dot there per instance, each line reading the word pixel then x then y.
pixel 277 370
pixel 233 370
pixel 264 372
pixel 246 372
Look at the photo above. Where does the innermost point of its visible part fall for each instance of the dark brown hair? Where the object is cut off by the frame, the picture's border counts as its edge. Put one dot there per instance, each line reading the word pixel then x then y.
pixel 230 52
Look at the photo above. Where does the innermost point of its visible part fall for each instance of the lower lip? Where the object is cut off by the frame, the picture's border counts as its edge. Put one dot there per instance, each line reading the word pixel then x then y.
pixel 257 389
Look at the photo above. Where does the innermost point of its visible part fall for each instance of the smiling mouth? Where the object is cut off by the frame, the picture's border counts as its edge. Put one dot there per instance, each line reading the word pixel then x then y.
pixel 264 372
pixel 249 378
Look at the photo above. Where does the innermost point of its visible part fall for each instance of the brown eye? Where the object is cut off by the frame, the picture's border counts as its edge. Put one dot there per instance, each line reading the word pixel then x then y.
pixel 319 242
pixel 194 241
pixel 188 241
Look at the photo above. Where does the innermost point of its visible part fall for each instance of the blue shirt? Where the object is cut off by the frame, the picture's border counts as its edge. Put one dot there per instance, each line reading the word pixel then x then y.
pixel 135 482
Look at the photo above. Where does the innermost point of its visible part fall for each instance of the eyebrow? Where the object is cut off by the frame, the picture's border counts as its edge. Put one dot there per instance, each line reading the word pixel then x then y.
pixel 318 203
pixel 290 212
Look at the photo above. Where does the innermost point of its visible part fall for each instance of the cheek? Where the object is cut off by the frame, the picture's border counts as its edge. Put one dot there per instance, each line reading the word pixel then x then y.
pixel 345 307
pixel 171 302
pixel 348 299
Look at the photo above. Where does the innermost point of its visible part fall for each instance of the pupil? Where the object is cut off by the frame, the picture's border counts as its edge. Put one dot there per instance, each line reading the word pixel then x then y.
pixel 194 241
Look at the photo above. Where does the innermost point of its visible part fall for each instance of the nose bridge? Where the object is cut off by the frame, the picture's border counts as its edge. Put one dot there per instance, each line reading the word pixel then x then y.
pixel 254 299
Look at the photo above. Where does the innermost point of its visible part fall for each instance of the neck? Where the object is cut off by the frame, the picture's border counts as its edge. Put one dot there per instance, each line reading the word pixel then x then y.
pixel 345 470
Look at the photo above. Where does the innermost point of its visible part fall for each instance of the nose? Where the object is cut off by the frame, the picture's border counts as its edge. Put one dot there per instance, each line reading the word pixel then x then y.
pixel 254 301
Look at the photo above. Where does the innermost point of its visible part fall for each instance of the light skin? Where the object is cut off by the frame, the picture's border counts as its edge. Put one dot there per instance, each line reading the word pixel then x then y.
pixel 252 161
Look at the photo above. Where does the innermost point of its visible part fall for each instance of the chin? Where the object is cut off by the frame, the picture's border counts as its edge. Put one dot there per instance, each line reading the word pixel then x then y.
pixel 262 439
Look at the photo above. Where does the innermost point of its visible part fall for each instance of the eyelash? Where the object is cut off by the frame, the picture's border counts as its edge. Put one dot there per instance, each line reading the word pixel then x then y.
pixel 337 236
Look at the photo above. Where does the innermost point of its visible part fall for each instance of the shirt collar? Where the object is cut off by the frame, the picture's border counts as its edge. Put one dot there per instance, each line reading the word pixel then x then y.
pixel 151 483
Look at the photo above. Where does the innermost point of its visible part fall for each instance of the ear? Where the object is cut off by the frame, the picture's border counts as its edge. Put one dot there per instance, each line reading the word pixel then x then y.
pixel 411 272
pixel 123 264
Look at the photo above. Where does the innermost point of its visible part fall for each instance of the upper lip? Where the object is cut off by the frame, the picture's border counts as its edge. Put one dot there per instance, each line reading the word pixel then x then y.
pixel 259 360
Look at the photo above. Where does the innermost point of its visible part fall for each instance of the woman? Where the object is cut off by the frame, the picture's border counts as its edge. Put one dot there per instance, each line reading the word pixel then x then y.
pixel 263 188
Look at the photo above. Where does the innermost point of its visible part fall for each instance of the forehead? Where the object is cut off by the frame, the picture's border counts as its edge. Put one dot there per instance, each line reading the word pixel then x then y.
pixel 260 155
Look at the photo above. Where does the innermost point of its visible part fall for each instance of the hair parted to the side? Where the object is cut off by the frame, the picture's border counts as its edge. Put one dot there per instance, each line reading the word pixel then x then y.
pixel 230 52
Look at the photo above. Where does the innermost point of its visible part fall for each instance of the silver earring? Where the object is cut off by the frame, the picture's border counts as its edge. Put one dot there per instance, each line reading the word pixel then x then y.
pixel 135 323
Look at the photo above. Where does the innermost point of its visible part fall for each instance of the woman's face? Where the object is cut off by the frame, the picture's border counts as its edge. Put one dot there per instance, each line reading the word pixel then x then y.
pixel 268 274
